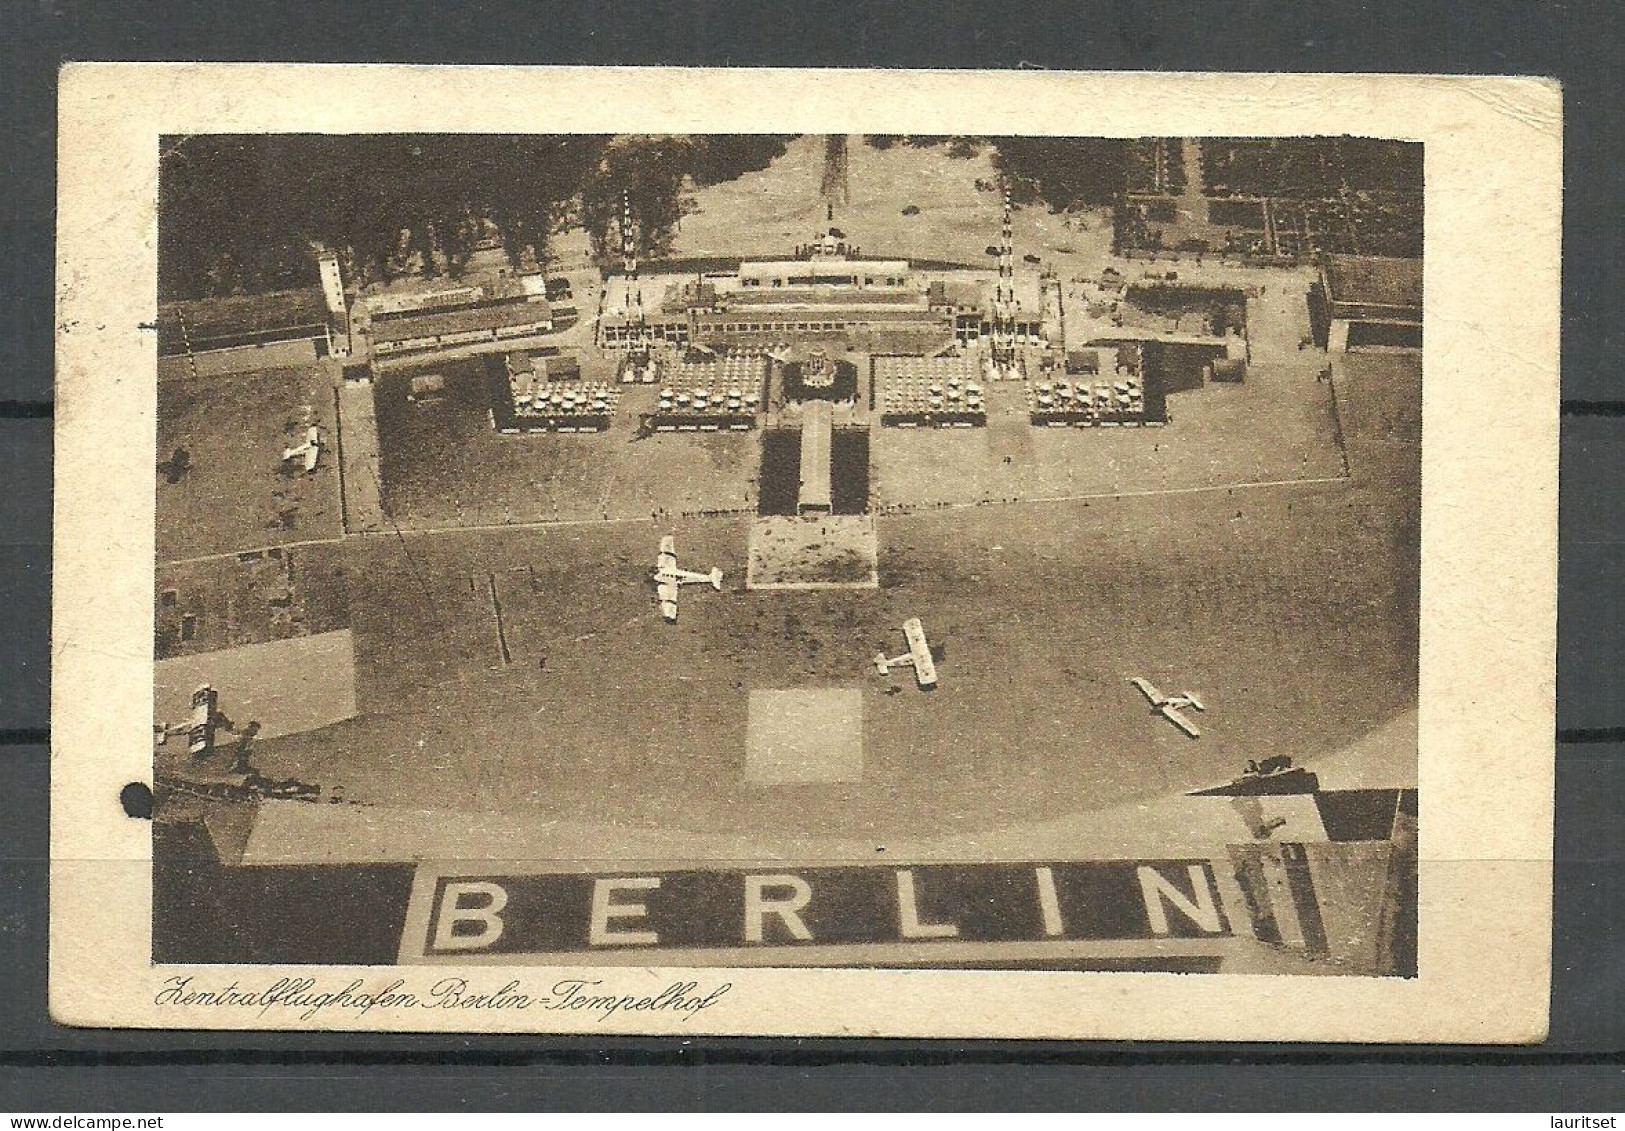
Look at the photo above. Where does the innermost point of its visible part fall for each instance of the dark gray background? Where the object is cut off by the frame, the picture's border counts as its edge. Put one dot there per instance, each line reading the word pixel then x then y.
pixel 43 1066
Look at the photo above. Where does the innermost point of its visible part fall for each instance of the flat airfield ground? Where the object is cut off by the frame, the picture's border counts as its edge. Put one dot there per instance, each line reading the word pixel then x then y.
pixel 1378 405
pixel 444 464
pixel 249 599
pixel 239 494
pixel 1291 610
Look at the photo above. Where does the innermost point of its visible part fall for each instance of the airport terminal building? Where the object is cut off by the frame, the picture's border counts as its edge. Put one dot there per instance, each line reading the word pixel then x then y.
pixel 880 305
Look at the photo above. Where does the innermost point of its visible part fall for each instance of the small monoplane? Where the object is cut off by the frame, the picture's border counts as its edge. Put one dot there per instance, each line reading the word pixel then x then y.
pixel 669 578
pixel 1171 706
pixel 310 449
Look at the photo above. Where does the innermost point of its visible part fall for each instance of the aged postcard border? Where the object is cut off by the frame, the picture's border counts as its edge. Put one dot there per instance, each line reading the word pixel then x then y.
pixel 1490 403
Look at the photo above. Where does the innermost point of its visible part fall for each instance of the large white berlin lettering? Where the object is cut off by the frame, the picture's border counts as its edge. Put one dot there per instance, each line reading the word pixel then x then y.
pixel 1156 887
pixel 1049 904
pixel 758 906
pixel 908 913
pixel 604 908
pixel 453 911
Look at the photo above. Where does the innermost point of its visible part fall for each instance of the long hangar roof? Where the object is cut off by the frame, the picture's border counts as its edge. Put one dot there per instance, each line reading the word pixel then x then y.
pixel 205 322
pixel 824 266
pixel 461 321
pixel 1375 287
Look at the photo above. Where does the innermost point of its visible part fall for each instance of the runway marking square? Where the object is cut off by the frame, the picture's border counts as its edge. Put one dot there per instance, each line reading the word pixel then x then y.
pixel 826 552
pixel 804 736
pixel 287 686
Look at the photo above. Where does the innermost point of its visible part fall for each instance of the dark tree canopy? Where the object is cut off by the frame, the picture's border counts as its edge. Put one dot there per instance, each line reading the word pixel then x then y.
pixel 654 173
pixel 1059 171
pixel 245 213
pixel 725 157
pixel 649 171
pixel 917 141
pixel 1063 172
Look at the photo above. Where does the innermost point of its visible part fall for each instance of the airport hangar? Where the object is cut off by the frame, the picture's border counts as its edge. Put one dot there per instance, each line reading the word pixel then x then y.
pixel 1373 301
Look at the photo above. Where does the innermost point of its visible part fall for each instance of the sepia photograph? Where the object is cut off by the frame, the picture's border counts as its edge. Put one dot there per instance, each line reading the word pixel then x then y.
pixel 609 566
pixel 876 550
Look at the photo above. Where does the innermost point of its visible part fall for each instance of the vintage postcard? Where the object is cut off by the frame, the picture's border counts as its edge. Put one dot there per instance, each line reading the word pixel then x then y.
pixel 785 552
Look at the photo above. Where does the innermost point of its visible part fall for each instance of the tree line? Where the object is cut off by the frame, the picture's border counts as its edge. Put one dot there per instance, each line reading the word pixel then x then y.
pixel 1061 172
pixel 244 213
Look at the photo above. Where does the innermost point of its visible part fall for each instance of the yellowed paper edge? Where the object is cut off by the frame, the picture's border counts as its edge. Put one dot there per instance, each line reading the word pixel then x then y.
pixel 1493 157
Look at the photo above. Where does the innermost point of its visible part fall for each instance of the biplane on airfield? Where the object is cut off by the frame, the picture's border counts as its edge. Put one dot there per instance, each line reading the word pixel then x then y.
pixel 669 578
pixel 1171 707
pixel 918 656
pixel 201 723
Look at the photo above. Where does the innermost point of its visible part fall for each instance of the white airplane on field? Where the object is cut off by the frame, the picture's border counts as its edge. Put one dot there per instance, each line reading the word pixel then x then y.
pixel 918 655
pixel 1170 706
pixel 310 449
pixel 200 724
pixel 669 578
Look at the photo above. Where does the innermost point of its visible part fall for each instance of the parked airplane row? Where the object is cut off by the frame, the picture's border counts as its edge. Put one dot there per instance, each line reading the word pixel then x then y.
pixel 205 717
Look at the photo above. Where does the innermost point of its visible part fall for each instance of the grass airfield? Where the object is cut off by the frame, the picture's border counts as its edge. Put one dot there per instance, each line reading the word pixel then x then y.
pixel 238 492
